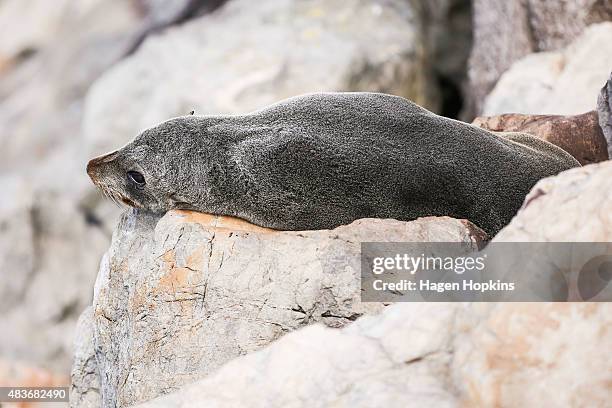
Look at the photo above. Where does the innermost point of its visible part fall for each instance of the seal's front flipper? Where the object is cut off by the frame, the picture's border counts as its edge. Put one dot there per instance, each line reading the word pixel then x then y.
pixel 179 202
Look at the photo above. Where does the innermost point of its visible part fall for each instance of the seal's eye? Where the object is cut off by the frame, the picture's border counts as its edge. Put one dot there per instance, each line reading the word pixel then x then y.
pixel 136 177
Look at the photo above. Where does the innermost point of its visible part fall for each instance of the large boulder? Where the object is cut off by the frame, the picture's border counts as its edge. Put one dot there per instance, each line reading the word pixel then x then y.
pixel 564 82
pixel 508 30
pixel 292 47
pixel 424 355
pixel 572 206
pixel 180 296
pixel 441 354
pixel 579 135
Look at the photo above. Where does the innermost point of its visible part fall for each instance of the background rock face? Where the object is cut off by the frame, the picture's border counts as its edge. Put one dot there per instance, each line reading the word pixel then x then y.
pixel 579 135
pixel 448 29
pixel 293 47
pixel 507 30
pixel 179 297
pixel 43 264
pixel 48 69
pixel 415 355
pixel 562 82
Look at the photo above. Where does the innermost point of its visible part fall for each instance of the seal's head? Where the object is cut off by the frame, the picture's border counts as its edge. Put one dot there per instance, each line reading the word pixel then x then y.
pixel 149 172
pixel 121 179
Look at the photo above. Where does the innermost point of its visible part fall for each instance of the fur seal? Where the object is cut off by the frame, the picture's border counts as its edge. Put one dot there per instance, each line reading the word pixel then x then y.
pixel 322 160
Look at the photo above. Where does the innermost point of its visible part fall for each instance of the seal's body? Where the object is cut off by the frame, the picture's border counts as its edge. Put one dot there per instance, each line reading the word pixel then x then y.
pixel 322 160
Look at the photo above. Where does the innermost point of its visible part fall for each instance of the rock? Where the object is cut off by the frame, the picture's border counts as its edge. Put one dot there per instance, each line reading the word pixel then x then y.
pixel 527 354
pixel 566 82
pixel 33 25
pixel 448 23
pixel 508 30
pixel 573 206
pixel 84 382
pixel 45 266
pixel 292 47
pixel 180 296
pixel 579 135
pixel 424 354
pixel 604 108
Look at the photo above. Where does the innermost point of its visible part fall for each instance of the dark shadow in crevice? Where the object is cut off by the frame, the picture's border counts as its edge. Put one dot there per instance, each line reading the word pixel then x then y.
pixel 193 9
pixel 452 97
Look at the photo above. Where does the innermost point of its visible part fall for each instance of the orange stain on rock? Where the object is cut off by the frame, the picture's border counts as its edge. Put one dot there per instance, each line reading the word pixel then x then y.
pixel 513 352
pixel 195 260
pixel 179 277
pixel 221 222
pixel 176 277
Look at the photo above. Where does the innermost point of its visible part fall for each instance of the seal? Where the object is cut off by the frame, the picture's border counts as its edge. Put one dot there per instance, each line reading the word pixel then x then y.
pixel 322 160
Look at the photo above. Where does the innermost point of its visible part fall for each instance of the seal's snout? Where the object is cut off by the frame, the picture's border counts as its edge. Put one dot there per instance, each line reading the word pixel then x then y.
pixel 95 165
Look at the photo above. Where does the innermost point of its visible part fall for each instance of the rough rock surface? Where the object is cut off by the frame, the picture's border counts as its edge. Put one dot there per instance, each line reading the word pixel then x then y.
pixel 565 82
pixel 604 109
pixel 507 30
pixel 180 296
pixel 425 355
pixel 293 47
pixel 85 383
pixel 575 205
pixel 579 135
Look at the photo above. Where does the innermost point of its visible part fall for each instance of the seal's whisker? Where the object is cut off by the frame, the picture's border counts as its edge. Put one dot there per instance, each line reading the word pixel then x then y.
pixel 113 197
